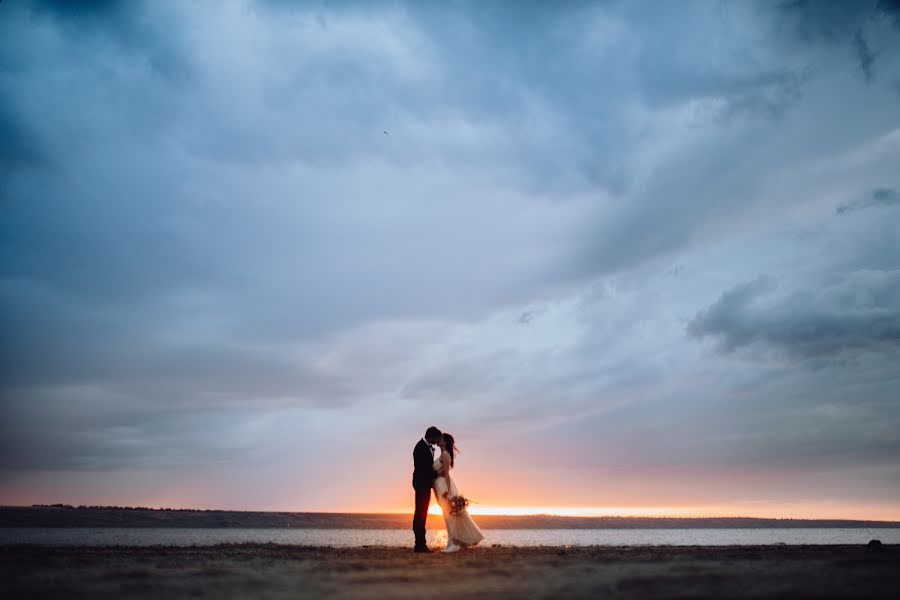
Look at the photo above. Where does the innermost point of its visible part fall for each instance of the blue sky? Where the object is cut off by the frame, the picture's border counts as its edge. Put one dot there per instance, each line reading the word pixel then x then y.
pixel 630 254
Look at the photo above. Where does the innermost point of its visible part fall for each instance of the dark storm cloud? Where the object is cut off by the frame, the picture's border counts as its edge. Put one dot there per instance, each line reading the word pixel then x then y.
pixel 83 9
pixel 878 197
pixel 859 312
pixel 123 21
pixel 841 23
pixel 19 147
pixel 864 54
pixel 833 21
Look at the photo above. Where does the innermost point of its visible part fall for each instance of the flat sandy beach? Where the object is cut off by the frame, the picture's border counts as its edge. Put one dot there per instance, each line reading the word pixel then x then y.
pixel 273 571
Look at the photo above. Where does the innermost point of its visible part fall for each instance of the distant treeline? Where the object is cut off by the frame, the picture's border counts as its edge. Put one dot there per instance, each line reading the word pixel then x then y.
pixel 67 515
pixel 112 507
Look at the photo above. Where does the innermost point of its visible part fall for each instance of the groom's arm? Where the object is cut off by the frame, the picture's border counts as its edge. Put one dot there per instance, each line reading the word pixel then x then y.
pixel 421 458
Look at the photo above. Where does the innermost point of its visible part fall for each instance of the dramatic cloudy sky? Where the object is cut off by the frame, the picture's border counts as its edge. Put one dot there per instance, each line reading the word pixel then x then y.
pixel 636 256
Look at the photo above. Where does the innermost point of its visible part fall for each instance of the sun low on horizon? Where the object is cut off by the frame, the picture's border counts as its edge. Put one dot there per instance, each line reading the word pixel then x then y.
pixel 639 259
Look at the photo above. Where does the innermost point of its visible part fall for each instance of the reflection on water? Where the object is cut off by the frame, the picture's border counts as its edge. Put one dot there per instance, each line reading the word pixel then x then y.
pixel 402 537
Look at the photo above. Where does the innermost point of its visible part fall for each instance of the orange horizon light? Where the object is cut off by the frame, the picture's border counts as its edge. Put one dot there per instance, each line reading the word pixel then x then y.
pixel 717 511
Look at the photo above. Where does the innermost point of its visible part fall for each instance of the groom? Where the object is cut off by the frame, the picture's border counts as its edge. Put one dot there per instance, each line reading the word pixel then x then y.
pixel 423 478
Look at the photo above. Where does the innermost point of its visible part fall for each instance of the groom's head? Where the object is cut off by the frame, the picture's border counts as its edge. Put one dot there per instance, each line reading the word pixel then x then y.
pixel 432 435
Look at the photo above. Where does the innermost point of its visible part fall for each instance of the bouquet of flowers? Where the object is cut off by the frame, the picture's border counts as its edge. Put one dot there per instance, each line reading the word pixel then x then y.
pixel 458 504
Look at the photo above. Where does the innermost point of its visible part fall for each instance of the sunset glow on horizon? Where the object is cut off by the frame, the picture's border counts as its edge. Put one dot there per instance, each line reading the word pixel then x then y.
pixel 725 512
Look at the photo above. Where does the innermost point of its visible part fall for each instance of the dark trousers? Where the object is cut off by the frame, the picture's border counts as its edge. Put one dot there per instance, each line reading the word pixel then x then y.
pixel 423 500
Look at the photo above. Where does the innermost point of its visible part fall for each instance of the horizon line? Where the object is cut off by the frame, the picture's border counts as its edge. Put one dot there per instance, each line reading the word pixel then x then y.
pixel 492 513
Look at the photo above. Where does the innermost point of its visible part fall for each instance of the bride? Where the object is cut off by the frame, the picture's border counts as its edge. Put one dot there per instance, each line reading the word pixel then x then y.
pixel 461 529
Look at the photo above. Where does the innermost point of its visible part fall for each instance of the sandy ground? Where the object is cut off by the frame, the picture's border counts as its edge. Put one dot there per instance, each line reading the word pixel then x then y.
pixel 272 571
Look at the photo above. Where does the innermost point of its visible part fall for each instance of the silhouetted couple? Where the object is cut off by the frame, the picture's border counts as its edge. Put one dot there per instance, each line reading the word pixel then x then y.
pixel 434 474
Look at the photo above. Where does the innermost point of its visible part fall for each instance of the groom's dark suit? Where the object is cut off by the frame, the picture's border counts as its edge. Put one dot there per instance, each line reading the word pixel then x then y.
pixel 423 477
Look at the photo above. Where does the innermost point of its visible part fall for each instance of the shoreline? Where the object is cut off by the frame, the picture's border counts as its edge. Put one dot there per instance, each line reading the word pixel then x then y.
pixel 276 571
pixel 96 517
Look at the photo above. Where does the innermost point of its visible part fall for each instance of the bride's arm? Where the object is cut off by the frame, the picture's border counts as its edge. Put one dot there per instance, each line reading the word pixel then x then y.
pixel 445 462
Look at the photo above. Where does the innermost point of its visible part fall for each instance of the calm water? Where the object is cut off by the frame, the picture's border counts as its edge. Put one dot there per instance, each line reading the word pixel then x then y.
pixel 400 537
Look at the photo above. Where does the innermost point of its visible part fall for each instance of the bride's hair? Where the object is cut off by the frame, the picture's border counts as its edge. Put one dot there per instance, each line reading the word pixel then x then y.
pixel 451 447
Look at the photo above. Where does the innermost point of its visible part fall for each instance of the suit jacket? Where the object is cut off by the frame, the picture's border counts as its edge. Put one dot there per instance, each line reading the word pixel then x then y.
pixel 423 466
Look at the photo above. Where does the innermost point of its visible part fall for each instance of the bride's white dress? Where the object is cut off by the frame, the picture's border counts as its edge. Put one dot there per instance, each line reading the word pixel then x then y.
pixel 461 529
